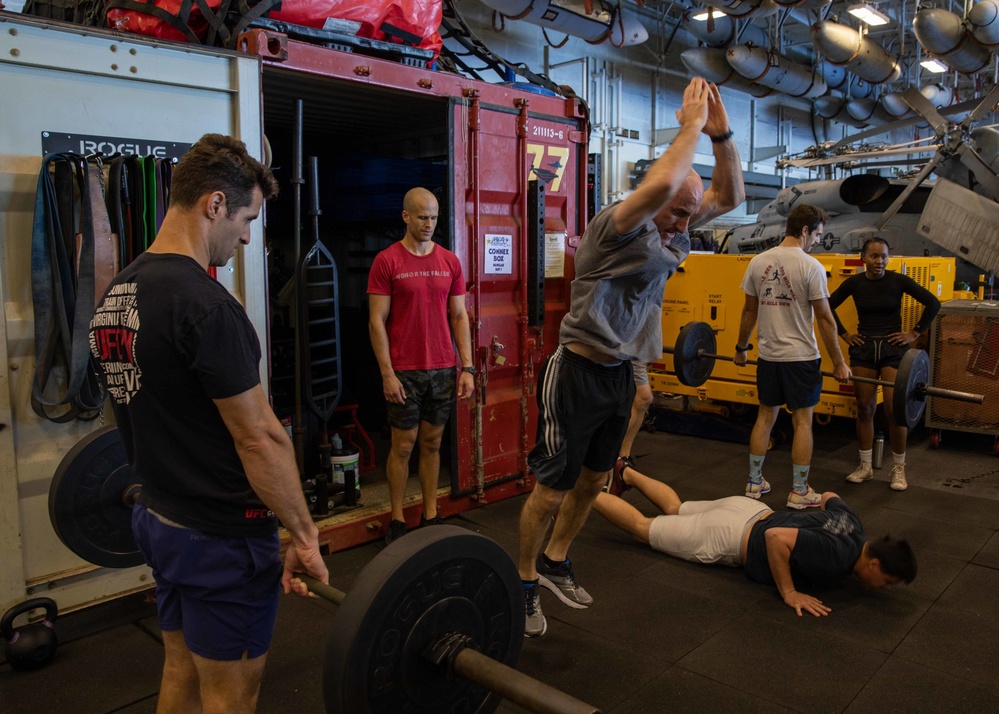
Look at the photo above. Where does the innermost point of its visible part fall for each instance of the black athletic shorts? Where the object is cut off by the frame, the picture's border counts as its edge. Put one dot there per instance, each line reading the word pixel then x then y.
pixel 583 413
pixel 877 352
pixel 796 384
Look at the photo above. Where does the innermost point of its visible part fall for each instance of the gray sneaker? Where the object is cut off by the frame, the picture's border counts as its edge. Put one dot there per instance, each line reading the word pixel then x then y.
pixel 535 623
pixel 561 581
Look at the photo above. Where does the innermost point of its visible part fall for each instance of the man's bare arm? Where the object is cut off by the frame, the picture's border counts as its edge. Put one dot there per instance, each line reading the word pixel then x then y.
pixel 780 542
pixel 268 459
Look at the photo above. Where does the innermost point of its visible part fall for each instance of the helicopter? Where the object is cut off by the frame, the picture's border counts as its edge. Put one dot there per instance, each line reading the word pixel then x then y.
pixel 955 215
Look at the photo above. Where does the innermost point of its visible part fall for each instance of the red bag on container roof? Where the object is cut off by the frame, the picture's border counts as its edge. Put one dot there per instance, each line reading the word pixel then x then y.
pixel 414 22
pixel 162 18
pixel 418 18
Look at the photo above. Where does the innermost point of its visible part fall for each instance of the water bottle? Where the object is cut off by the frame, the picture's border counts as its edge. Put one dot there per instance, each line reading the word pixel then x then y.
pixel 879 450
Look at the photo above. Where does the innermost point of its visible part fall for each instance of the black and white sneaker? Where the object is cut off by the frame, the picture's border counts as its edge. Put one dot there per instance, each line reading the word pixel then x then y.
pixel 561 581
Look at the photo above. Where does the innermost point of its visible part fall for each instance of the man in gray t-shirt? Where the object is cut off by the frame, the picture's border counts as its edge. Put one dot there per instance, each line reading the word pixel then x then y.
pixel 785 289
pixel 586 387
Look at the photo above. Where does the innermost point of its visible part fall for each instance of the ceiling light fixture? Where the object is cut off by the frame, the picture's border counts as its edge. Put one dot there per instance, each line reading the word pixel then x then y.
pixel 703 15
pixel 934 66
pixel 869 14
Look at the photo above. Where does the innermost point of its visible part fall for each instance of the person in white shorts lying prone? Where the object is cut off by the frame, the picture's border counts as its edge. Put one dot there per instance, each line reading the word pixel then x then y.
pixel 787 549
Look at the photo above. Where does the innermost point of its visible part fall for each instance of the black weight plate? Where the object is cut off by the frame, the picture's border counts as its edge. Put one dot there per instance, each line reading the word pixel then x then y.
pixel 690 369
pixel 433 581
pixel 908 400
pixel 85 501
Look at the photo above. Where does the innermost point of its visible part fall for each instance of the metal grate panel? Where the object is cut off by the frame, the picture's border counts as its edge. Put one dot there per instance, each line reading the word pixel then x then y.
pixel 963 222
pixel 911 308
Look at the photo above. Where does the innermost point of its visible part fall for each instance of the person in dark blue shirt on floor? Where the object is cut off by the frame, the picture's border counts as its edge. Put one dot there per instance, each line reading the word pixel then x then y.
pixel 877 347
pixel 787 549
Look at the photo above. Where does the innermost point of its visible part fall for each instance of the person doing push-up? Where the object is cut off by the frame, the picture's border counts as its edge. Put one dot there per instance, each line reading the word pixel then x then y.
pixel 786 549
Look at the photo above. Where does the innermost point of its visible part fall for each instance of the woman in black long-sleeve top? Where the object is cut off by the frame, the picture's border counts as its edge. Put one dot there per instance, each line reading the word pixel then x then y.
pixel 877 347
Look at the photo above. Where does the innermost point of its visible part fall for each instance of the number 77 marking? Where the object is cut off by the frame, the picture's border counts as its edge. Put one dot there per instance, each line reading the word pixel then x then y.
pixel 553 170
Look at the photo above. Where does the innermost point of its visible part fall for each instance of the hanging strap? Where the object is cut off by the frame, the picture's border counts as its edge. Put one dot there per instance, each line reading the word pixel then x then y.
pixel 64 374
pixel 118 206
pixel 95 216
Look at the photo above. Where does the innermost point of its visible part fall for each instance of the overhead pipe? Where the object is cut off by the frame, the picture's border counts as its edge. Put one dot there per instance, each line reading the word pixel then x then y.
pixel 983 19
pixel 835 76
pixel 855 52
pixel 860 88
pixel 834 107
pixel 867 110
pixel 776 71
pixel 606 21
pixel 722 30
pixel 744 8
pixel 945 36
pixel 711 63
pixel 893 103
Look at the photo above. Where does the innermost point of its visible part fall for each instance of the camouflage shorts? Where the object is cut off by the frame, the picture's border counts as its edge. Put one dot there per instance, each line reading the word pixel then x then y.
pixel 429 396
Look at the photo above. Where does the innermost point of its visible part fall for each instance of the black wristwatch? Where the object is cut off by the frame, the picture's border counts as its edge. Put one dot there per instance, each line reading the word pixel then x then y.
pixel 470 370
pixel 742 348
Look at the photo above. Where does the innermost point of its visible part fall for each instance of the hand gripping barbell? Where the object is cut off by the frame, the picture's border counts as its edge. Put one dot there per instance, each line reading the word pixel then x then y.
pixel 695 352
pixel 434 623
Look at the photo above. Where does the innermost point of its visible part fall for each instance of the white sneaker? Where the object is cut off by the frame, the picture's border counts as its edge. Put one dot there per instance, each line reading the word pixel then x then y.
pixel 799 501
pixel 755 489
pixel 864 472
pixel 898 482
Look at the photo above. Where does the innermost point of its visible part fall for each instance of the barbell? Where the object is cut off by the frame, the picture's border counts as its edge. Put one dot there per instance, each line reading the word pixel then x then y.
pixel 695 352
pixel 434 623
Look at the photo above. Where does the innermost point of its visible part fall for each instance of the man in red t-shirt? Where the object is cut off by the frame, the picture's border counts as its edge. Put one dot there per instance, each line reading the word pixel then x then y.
pixel 415 289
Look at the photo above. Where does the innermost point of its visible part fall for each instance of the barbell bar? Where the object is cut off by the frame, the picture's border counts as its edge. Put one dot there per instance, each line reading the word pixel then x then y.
pixel 694 354
pixel 434 623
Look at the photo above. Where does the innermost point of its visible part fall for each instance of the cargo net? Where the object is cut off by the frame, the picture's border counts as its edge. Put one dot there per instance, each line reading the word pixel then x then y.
pixel 78 12
pixel 214 23
pixel 464 53
pixel 966 358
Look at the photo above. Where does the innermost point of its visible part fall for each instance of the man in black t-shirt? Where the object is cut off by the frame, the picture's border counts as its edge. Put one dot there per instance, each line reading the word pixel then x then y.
pixel 785 549
pixel 181 362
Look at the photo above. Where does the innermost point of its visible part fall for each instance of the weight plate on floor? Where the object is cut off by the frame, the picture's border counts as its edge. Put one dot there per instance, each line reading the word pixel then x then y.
pixel 85 501
pixel 909 399
pixel 690 369
pixel 435 580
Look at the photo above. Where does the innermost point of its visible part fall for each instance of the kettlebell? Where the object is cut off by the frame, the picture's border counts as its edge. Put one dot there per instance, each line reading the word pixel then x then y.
pixel 30 646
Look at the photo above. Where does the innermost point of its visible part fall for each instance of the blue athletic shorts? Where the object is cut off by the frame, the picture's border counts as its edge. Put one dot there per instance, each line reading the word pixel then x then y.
pixel 583 413
pixel 221 591
pixel 796 384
